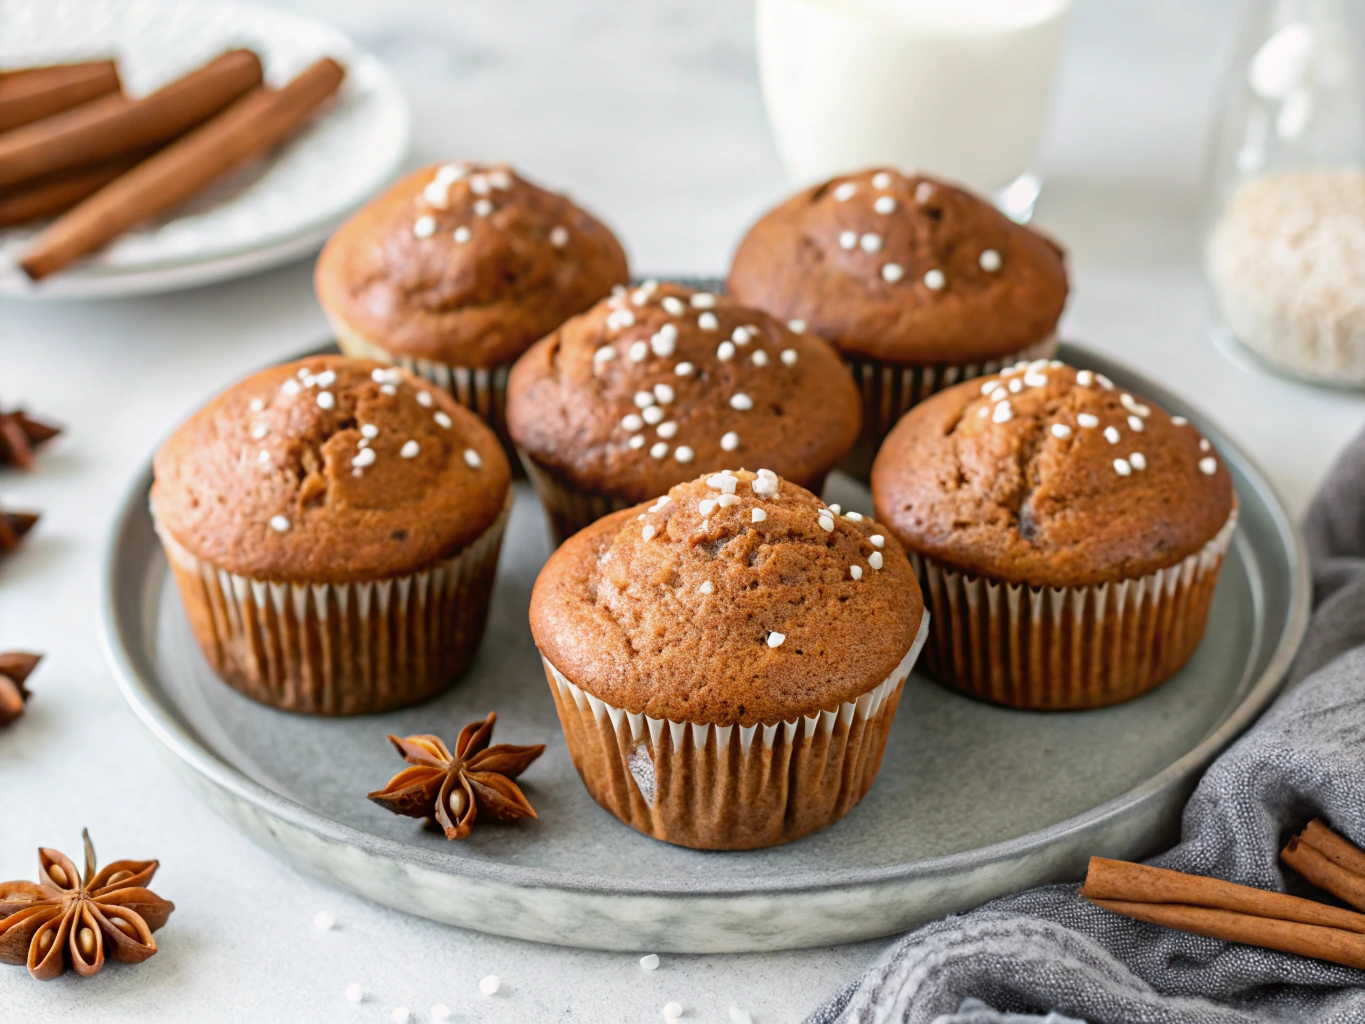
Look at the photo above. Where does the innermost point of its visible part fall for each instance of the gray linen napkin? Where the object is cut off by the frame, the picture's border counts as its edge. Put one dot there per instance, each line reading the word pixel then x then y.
pixel 1047 951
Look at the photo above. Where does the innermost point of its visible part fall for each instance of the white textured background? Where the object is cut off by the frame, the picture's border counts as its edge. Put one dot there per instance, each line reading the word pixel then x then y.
pixel 648 112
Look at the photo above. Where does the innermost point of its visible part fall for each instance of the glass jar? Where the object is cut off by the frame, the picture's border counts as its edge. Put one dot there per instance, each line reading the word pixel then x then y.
pixel 1285 242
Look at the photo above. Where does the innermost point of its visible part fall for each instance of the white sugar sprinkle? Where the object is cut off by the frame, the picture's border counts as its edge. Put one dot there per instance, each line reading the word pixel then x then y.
pixel 875 559
pixel 388 389
pixel 264 457
pixel 365 457
pixel 1016 385
pixel 923 191
pixel 500 179
pixel 463 234
pixel 1204 444
pixel 653 415
pixel 760 358
pixel 726 500
pixel 789 356
pixel 441 419
pixel 409 449
pixel 706 587
pixel 257 405
pixel 877 540
pixel 672 1011
pixel 644 399
pixel 326 400
pixel 796 326
pixel 424 398
pixel 683 453
pixel 881 180
pixel 848 239
pixel 1002 413
pixel 1088 420
pixel 845 191
pixel 989 385
pixel 664 340
pixel 989 260
pixel 826 522
pixel 870 242
pixel 619 318
pixel 658 450
pixel 724 482
pixel 400 1015
pixel 892 272
pixel 1135 424
pixel 1137 460
pixel 605 354
pixel 741 402
pixel 934 279
pixel 672 304
pixel 664 393
pixel 632 422
pixel 440 1011
pixel 1122 468
pixel 725 351
pixel 639 351
pixel 354 994
pixel 663 500
pixel 559 237
pixel 1035 380
pixel 259 431
pixel 1085 378
pixel 740 335
pixel 638 441
pixel 478 184
pixel 1061 430
pixel 1133 405
pixel 650 962
pixel 449 173
pixel 1105 382
pixel 279 523
pixel 483 208
pixel 668 430
pixel 425 226
pixel 729 441
pixel 684 369
pixel 1208 466
pixel 1111 435
pixel 775 639
pixel 648 532
pixel 757 516
pixel 836 508
pixel 856 571
pixel 708 322
pixel 884 204
pixel 489 985
pixel 1179 421
pixel 857 517
pixel 323 921
pixel 472 459
pixel 703 300
pixel 706 506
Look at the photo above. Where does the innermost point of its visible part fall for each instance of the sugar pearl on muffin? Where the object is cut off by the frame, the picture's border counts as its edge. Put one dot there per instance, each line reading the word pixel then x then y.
pixel 729 441
pixel 989 261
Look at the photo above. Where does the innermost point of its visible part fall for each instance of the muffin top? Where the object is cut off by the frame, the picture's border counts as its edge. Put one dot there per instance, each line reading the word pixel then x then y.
pixel 465 264
pixel 903 268
pixel 1050 476
pixel 735 599
pixel 329 470
pixel 651 387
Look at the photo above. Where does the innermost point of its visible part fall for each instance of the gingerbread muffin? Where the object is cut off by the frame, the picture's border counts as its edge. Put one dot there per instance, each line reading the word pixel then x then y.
pixel 653 386
pixel 1068 534
pixel 333 525
pixel 918 283
pixel 454 272
pixel 727 660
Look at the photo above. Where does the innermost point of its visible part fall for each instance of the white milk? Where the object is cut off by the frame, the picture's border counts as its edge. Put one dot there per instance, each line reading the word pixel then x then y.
pixel 958 88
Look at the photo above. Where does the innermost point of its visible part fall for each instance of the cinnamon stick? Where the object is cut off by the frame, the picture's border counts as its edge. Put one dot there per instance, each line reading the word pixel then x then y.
pixel 1329 862
pixel 248 128
pixel 1224 910
pixel 31 94
pixel 115 124
pixel 60 193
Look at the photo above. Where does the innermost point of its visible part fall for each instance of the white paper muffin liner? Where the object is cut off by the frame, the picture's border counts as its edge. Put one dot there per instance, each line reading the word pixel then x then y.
pixel 341 649
pixel 890 390
pixel 730 787
pixel 1052 648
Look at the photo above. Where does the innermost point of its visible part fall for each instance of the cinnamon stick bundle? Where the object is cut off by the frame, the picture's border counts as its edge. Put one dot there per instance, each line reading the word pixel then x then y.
pixel 1329 862
pixel 114 124
pixel 1225 910
pixel 31 94
pixel 61 192
pixel 250 127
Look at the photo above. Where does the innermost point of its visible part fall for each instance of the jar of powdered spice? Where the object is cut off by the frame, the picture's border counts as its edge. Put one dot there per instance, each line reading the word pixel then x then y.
pixel 1285 251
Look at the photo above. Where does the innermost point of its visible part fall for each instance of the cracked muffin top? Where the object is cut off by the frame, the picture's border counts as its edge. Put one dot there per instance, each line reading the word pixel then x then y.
pixel 652 387
pixel 329 470
pixel 738 598
pixel 1050 476
pixel 903 268
pixel 464 264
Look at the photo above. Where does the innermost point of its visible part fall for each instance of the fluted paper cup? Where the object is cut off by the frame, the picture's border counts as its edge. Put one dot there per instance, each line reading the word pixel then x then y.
pixel 730 787
pixel 1055 648
pixel 341 649
pixel 890 390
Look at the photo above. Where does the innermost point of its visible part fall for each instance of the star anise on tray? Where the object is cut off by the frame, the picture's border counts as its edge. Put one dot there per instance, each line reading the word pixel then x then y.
pixel 13 526
pixel 72 920
pixel 15 667
pixel 20 436
pixel 449 790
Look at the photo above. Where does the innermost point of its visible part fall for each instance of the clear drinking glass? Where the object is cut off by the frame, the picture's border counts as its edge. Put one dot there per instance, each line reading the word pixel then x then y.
pixel 959 89
pixel 1285 203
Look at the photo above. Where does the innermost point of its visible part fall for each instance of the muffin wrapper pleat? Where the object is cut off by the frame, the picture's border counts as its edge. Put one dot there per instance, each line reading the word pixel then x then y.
pixel 341 649
pixel 730 787
pixel 1055 648
pixel 890 390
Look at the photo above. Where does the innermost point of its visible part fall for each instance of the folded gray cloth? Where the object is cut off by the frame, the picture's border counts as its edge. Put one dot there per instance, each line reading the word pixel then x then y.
pixel 1049 952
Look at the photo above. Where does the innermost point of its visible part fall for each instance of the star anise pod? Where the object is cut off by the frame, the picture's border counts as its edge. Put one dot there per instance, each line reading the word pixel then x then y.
pixel 71 920
pixel 13 526
pixel 20 434
pixel 15 667
pixel 450 789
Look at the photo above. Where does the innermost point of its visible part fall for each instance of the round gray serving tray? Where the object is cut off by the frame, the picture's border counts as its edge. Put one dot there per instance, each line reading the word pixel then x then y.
pixel 973 801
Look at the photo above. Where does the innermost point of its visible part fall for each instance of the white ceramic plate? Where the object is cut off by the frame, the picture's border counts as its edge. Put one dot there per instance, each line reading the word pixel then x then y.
pixel 266 214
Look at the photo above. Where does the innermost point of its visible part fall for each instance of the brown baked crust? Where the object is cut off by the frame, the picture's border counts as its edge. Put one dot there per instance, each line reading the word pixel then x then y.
pixel 567 407
pixel 1014 501
pixel 622 614
pixel 792 264
pixel 346 523
pixel 476 303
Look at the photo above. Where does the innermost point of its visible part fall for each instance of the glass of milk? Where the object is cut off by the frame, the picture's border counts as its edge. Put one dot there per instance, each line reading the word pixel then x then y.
pixel 957 88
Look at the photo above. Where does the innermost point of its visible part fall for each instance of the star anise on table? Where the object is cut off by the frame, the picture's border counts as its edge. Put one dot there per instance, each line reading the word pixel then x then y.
pixel 13 526
pixel 20 435
pixel 449 790
pixel 15 667
pixel 72 920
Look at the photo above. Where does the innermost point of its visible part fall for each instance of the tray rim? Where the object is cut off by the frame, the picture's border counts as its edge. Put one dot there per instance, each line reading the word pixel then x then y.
pixel 140 695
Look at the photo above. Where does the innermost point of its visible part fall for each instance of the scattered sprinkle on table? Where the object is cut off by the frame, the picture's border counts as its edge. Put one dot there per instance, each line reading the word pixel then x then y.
pixel 650 961
pixel 323 921
pixel 672 1011
pixel 354 994
pixel 489 984
pixel 738 1016
pixel 401 1015
pixel 440 1012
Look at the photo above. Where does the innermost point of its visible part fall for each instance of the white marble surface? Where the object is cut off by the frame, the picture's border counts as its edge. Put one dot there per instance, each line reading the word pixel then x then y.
pixel 649 113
